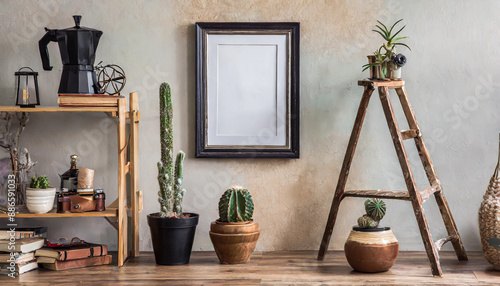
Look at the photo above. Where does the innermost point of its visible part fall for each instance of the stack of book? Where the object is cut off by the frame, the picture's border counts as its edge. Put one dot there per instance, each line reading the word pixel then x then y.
pixel 88 100
pixel 71 257
pixel 17 256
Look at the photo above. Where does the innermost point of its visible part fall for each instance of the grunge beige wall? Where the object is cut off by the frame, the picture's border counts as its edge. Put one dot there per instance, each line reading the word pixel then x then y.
pixel 452 78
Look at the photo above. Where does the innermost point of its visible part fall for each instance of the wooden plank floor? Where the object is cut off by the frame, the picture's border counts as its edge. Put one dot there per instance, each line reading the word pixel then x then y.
pixel 270 268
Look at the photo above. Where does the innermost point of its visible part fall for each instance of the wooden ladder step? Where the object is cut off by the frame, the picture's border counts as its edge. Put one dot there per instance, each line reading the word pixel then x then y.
pixel 409 134
pixel 381 194
pixel 428 192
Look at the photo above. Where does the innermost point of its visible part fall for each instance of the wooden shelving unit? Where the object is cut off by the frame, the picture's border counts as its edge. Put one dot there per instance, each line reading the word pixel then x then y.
pixel 129 199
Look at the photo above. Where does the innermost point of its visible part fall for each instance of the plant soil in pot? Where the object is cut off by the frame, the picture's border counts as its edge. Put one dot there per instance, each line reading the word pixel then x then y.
pixel 234 235
pixel 370 248
pixel 172 231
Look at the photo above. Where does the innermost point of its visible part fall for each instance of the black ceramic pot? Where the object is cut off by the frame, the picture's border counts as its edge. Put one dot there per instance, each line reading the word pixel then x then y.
pixel 172 238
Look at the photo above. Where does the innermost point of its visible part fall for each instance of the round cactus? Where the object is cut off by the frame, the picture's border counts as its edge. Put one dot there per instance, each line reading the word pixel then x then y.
pixel 366 222
pixel 375 208
pixel 236 205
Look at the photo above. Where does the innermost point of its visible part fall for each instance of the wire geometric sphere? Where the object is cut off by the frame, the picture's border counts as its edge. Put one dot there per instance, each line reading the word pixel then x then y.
pixel 111 79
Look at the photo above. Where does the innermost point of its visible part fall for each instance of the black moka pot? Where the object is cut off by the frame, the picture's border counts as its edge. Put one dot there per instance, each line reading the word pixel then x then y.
pixel 77 46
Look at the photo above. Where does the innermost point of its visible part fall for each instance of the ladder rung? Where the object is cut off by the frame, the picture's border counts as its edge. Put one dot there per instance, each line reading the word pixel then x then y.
pixel 408 134
pixel 439 244
pixel 429 191
pixel 381 194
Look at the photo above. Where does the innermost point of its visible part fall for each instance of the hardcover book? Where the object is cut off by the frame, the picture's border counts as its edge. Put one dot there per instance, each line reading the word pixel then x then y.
pixel 78 263
pixel 22 245
pixel 88 101
pixel 73 252
pixel 24 232
pixel 21 268
pixel 18 257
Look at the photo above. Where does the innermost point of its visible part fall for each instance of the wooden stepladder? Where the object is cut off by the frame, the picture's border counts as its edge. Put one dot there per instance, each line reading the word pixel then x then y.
pixel 416 197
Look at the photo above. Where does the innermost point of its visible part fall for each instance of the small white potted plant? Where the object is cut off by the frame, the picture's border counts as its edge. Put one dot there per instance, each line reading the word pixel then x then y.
pixel 40 196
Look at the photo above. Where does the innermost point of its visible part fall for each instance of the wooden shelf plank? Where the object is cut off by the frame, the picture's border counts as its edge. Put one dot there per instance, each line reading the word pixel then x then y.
pixel 57 109
pixel 109 212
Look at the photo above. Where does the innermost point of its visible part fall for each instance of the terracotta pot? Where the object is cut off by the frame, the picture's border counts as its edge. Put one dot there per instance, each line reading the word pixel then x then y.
pixel 234 242
pixel 371 249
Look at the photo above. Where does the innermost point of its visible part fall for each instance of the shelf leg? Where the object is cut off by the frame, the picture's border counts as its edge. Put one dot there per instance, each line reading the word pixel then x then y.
pixel 134 171
pixel 122 185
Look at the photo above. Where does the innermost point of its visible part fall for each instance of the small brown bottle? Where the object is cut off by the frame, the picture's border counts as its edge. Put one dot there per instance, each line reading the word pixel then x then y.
pixel 100 200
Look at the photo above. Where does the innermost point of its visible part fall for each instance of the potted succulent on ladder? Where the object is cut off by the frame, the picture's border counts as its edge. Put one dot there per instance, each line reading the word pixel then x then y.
pixel 385 62
pixel 370 248
pixel 172 231
pixel 234 235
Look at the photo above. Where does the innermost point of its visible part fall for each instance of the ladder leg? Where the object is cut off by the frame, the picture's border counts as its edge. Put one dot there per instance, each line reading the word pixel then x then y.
pixel 416 201
pixel 425 157
pixel 451 227
pixel 344 172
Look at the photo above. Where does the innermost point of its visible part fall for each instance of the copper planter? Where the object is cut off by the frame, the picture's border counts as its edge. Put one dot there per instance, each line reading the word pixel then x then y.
pixel 371 250
pixel 234 242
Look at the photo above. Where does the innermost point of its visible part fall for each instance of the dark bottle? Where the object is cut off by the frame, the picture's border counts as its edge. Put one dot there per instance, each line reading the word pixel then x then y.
pixel 69 179
pixel 100 200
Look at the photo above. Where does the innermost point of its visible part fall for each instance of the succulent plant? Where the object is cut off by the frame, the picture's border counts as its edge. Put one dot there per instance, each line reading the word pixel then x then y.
pixel 375 208
pixel 236 205
pixel 367 221
pixel 375 211
pixel 386 52
pixel 39 182
pixel 169 175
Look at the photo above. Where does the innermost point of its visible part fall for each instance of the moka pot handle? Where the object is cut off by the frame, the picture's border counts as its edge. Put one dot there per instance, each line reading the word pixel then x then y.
pixel 50 36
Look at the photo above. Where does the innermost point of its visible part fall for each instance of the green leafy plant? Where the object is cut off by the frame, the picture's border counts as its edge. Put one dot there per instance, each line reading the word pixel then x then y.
pixel 375 211
pixel 387 51
pixel 169 174
pixel 236 205
pixel 39 182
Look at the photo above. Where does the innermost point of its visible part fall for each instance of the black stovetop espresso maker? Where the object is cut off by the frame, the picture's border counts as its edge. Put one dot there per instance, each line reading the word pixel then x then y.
pixel 77 46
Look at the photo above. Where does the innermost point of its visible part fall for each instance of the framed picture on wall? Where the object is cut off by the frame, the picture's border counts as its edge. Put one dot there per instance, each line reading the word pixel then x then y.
pixel 247 95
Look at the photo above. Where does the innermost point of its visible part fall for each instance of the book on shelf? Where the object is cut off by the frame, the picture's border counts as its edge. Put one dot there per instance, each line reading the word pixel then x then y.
pixel 89 95
pixel 78 263
pixel 88 101
pixel 22 244
pixel 18 257
pixel 73 252
pixel 19 268
pixel 23 232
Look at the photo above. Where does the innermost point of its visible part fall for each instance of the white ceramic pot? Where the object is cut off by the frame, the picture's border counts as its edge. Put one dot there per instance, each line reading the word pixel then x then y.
pixel 40 201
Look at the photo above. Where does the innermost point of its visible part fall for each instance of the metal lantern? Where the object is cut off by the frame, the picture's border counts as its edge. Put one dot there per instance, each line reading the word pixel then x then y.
pixel 27 87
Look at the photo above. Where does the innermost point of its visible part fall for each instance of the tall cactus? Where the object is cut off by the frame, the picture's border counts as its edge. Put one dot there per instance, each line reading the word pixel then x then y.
pixel 169 178
pixel 236 205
